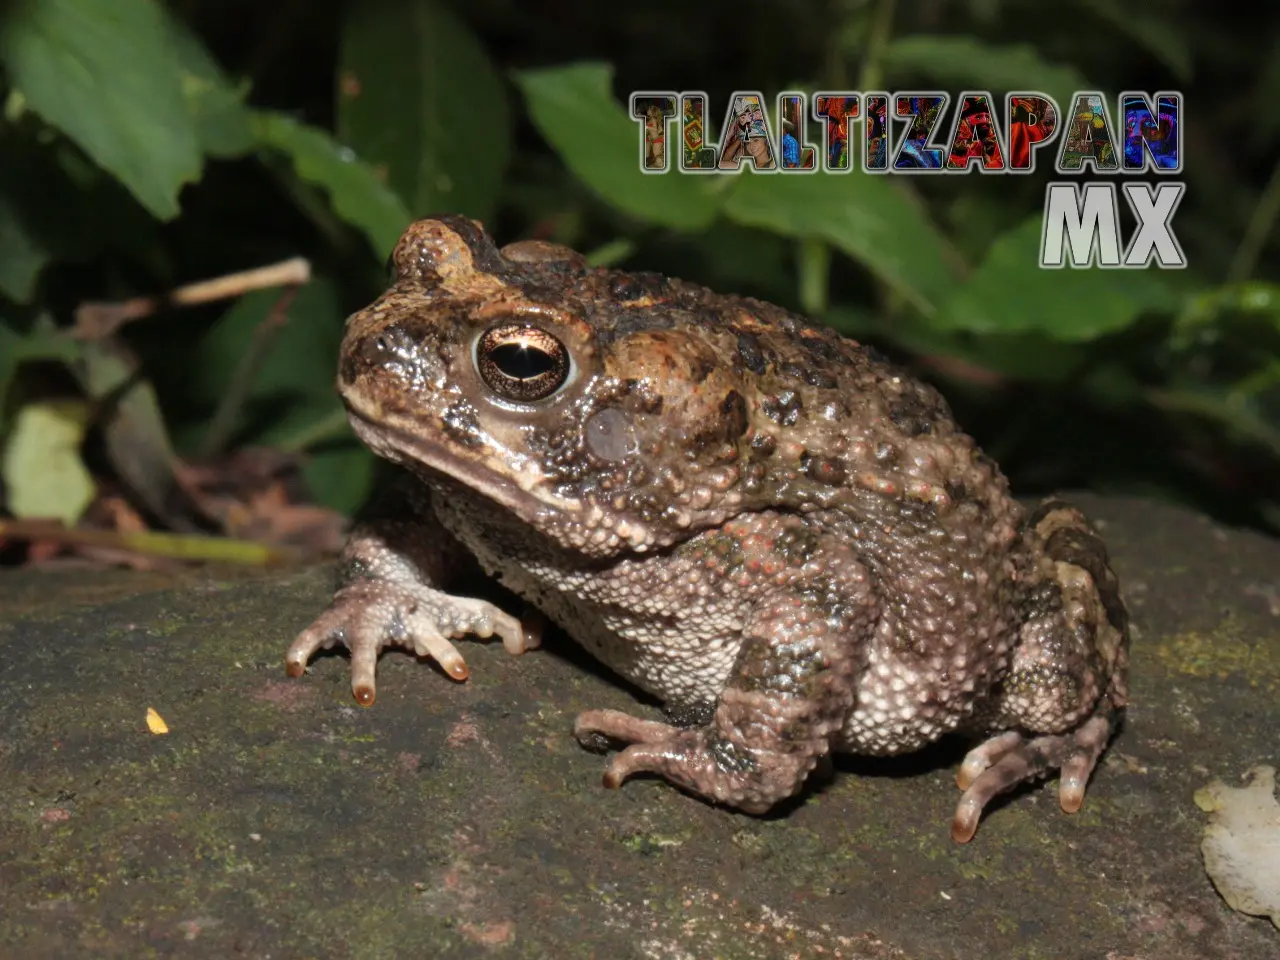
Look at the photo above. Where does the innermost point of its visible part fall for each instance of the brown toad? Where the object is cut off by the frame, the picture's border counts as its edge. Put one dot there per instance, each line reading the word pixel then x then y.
pixel 778 534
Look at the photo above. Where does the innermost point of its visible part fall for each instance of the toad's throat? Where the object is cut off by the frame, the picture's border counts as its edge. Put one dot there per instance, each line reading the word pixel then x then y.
pixel 425 456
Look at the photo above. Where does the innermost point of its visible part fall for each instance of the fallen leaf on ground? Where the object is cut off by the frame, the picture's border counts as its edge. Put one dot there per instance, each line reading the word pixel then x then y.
pixel 155 722
pixel 1241 844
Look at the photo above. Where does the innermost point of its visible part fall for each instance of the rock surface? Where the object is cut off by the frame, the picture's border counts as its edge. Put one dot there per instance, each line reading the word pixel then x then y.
pixel 278 819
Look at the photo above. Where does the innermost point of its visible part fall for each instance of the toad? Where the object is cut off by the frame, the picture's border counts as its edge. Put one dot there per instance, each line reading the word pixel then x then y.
pixel 773 530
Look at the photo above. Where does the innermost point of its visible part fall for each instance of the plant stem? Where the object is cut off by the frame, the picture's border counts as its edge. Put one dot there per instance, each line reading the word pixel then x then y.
pixel 1259 229
pixel 225 417
pixel 335 426
pixel 813 257
pixel 1236 416
pixel 813 254
pixel 877 41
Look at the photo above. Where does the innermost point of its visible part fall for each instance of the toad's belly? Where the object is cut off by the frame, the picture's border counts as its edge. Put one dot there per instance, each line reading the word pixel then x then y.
pixel 682 658
pixel 677 637
pixel 687 659
pixel 681 648
pixel 644 618
pixel 904 704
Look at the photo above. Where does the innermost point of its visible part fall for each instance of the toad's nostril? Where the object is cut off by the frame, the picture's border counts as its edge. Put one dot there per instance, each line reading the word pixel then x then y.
pixel 385 346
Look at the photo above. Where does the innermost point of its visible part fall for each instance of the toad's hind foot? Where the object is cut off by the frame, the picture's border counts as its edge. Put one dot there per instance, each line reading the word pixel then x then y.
pixel 702 761
pixel 616 725
pixel 789 692
pixel 1009 759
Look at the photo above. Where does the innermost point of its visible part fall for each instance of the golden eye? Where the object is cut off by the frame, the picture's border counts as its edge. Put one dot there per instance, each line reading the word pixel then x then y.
pixel 521 362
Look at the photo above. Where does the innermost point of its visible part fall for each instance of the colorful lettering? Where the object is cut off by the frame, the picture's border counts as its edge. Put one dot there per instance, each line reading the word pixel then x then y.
pixel 745 135
pixel 696 157
pixel 975 136
pixel 1033 122
pixel 653 109
pixel 1088 139
pixel 923 111
pixel 1082 226
pixel 798 155
pixel 876 137
pixel 1151 135
pixel 834 111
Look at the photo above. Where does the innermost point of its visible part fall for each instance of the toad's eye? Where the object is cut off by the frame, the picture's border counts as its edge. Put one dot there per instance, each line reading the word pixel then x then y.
pixel 521 362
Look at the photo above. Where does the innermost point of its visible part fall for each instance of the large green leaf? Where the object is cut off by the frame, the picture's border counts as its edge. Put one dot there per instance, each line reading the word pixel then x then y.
pixel 289 395
pixel 866 216
pixel 216 104
pixel 105 73
pixel 340 477
pixel 1020 356
pixel 966 63
pixel 337 468
pixel 57 206
pixel 1010 292
pixel 356 191
pixel 420 99
pixel 574 109
pixel 300 358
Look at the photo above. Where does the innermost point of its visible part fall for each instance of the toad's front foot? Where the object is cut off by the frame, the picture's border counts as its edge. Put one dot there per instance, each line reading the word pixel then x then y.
pixel 367 615
pixel 1003 762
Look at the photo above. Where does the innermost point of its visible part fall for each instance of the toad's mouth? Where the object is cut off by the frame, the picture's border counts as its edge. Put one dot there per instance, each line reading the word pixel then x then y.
pixel 424 455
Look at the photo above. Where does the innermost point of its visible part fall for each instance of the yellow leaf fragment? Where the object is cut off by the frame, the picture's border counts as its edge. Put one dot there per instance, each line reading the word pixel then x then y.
pixel 155 722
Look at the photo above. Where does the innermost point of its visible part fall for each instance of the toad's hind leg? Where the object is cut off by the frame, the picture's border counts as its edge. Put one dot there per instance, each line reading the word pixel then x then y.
pixel 790 691
pixel 1068 681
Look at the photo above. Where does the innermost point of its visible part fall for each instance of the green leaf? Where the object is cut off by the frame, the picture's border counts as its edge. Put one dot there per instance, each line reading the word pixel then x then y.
pixel 105 73
pixel 16 349
pixel 612 253
pixel 420 99
pixel 337 468
pixel 301 358
pixel 574 109
pixel 277 378
pixel 966 63
pixel 60 207
pixel 1250 299
pixel 216 105
pixel 865 216
pixel 732 257
pixel 357 193
pixel 1016 356
pixel 41 467
pixel 1010 292
pixel 340 478
pixel 22 254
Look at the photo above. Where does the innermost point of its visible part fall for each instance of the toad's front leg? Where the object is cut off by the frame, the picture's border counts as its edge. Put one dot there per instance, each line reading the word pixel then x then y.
pixel 390 593
pixel 791 688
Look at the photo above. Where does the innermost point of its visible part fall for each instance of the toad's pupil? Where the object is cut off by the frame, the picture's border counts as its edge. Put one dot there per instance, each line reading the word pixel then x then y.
pixel 521 361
